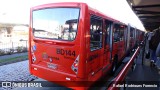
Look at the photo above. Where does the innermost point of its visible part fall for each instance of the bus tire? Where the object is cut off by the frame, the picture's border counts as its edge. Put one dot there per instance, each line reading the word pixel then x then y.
pixel 114 65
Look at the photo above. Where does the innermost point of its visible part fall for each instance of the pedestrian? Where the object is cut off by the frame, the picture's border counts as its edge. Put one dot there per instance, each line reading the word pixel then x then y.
pixel 158 56
pixel 147 38
pixel 153 44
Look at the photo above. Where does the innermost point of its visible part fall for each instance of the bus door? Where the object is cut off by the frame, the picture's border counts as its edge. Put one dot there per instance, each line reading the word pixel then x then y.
pixel 137 39
pixel 131 38
pixel 107 51
pixel 127 37
pixel 121 47
pixel 96 50
pixel 116 40
pixel 135 36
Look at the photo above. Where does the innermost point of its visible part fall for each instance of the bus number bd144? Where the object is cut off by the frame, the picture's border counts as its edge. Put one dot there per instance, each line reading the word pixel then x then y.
pixel 66 52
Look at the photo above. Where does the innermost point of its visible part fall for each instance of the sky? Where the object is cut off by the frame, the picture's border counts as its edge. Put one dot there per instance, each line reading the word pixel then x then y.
pixel 17 11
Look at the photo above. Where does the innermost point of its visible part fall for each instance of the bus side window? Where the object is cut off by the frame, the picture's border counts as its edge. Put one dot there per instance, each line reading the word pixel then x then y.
pixel 96 33
pixel 121 35
pixel 116 33
pixel 107 31
pixel 131 33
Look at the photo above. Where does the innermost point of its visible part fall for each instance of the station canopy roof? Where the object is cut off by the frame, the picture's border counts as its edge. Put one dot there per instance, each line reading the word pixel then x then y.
pixel 148 12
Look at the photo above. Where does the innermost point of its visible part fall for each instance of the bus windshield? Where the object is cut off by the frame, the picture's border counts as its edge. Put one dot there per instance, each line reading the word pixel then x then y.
pixel 56 23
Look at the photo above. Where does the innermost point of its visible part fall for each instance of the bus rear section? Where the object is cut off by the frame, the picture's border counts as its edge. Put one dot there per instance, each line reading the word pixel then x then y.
pixel 56 42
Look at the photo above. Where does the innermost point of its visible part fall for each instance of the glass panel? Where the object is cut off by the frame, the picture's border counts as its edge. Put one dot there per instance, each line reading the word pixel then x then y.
pixel 122 28
pixel 107 31
pixel 116 31
pixel 131 32
pixel 96 33
pixel 56 23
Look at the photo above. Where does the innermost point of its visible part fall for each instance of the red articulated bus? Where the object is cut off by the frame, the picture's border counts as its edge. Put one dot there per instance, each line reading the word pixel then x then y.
pixel 73 42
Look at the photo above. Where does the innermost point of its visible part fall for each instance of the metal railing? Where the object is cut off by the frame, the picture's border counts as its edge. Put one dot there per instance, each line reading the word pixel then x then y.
pixel 121 76
pixel 13 47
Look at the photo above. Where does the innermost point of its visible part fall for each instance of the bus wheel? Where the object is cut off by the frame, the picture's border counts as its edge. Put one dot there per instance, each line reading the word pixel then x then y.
pixel 114 65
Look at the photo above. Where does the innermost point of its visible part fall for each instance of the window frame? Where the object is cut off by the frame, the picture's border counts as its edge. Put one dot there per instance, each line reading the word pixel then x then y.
pixel 95 17
pixel 122 31
pixel 108 28
pixel 78 19
pixel 118 31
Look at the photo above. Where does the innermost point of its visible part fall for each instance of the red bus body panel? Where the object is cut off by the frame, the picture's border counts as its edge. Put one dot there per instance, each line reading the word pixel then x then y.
pixel 49 48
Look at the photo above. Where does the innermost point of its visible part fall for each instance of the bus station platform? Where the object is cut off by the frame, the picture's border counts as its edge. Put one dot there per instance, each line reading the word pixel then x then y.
pixel 140 74
pixel 139 77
